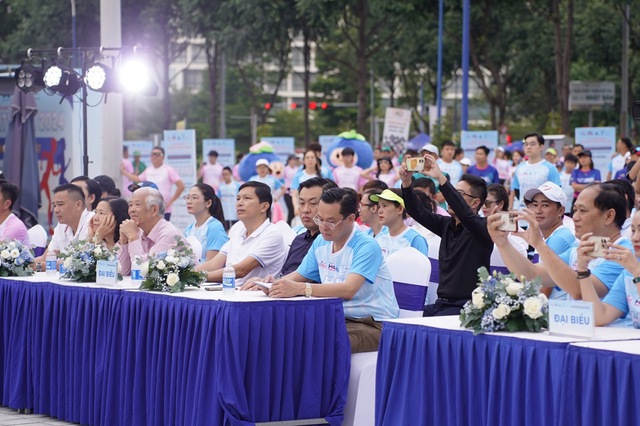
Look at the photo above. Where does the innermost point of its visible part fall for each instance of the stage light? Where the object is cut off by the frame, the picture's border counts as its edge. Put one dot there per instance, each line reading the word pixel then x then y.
pixel 29 78
pixel 135 78
pixel 52 77
pixel 97 77
pixel 62 80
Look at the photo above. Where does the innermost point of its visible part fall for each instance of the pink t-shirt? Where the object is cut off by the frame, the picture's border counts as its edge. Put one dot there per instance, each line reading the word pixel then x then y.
pixel 212 175
pixel 13 229
pixel 163 176
pixel 349 177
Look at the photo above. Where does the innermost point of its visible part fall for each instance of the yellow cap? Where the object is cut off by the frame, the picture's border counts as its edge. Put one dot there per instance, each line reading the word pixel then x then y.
pixel 388 195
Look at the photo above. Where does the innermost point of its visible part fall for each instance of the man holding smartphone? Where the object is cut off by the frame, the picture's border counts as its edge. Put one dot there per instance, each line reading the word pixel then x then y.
pixel 465 243
pixel 599 210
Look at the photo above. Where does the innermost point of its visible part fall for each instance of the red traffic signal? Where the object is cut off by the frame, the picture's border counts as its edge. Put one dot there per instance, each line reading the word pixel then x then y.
pixel 324 105
pixel 313 105
pixel 293 105
pixel 267 106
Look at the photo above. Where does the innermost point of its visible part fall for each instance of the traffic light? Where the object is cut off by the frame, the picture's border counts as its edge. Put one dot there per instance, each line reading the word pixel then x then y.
pixel 324 105
pixel 313 105
pixel 267 106
pixel 293 105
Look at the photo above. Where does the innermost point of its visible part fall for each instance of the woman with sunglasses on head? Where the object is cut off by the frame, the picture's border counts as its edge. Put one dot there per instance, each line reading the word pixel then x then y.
pixel 208 228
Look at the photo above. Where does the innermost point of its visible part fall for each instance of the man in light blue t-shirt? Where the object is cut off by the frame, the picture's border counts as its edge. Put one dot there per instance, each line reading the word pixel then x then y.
pixel 600 210
pixel 533 173
pixel 347 264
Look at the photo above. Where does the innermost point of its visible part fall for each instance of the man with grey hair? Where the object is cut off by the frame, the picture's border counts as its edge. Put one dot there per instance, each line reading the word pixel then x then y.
pixel 147 233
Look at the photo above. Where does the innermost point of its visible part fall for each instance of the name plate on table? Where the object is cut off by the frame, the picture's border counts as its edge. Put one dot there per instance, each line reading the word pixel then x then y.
pixel 571 318
pixel 107 272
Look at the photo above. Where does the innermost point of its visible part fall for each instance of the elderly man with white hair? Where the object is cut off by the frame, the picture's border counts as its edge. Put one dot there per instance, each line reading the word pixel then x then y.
pixel 147 233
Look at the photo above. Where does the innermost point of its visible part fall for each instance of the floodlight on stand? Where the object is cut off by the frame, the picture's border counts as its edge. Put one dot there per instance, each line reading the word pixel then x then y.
pixel 52 77
pixel 135 78
pixel 99 78
pixel 29 78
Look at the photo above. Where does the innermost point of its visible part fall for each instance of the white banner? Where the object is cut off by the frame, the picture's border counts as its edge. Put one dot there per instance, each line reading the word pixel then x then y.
pixel 471 140
pixel 283 146
pixel 180 148
pixel 601 141
pixel 397 123
pixel 226 149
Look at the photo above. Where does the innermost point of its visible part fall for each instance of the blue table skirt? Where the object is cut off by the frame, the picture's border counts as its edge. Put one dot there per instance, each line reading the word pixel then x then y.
pixel 433 376
pixel 112 357
pixel 602 388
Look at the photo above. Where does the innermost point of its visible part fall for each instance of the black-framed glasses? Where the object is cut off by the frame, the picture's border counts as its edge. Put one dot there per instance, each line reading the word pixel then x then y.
pixel 487 203
pixel 464 194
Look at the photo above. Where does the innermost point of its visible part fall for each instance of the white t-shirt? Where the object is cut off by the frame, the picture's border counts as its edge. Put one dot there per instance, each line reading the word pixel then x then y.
pixel 265 245
pixel 63 235
pixel 617 163
pixel 453 169
pixel 565 180
pixel 348 177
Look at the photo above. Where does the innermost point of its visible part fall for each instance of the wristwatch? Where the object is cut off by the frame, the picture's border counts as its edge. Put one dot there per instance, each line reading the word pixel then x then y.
pixel 307 290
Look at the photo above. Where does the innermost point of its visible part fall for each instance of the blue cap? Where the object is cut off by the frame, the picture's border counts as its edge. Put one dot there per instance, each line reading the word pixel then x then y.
pixel 142 184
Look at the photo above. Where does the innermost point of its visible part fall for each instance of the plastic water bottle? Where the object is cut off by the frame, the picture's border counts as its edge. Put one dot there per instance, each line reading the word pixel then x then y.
pixel 228 280
pixel 51 262
pixel 136 272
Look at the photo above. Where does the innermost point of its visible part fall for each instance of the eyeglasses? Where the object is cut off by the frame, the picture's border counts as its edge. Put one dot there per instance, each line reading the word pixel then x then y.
pixel 367 205
pixel 156 154
pixel 464 194
pixel 488 203
pixel 330 226
pixel 191 197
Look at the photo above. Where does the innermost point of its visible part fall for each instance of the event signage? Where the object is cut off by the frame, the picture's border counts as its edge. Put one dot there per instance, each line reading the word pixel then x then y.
pixel 585 95
pixel 226 149
pixel 571 318
pixel 601 142
pixel 107 272
pixel 325 142
pixel 283 147
pixel 397 123
pixel 471 140
pixel 180 146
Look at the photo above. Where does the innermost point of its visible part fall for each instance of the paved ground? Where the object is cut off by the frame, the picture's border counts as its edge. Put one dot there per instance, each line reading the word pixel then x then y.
pixel 10 417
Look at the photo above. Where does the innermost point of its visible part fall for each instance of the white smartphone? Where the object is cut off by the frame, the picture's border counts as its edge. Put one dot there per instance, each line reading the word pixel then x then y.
pixel 509 222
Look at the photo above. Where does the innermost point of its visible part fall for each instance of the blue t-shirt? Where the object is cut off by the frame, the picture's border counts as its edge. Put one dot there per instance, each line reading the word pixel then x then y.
pixel 528 176
pixel 270 180
pixel 606 271
pixel 624 297
pixel 384 230
pixel 360 255
pixel 489 173
pixel 581 177
pixel 228 192
pixel 211 235
pixel 407 238
pixel 561 240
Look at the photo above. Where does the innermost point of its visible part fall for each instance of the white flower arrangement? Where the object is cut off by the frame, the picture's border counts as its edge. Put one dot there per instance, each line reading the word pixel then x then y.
pixel 502 302
pixel 15 259
pixel 171 271
pixel 81 259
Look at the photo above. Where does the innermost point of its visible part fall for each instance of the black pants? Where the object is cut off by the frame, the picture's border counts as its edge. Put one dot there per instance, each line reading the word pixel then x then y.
pixel 288 200
pixel 444 307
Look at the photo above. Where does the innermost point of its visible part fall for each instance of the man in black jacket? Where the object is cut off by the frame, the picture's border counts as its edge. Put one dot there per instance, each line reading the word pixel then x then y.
pixel 465 245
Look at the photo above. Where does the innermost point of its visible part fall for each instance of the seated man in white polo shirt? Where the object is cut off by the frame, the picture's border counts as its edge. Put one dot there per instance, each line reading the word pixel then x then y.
pixel 73 219
pixel 255 247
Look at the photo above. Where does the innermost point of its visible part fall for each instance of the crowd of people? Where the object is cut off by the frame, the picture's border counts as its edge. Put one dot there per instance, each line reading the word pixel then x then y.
pixel 349 220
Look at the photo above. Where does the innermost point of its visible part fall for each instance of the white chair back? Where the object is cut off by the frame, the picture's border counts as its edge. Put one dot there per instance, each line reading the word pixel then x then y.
pixel 287 233
pixel 38 238
pixel 196 246
pixel 434 259
pixel 410 271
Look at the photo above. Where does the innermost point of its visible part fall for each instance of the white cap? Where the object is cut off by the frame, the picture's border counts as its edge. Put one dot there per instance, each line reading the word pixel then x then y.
pixel 550 190
pixel 499 148
pixel 465 161
pixel 262 162
pixel 431 148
